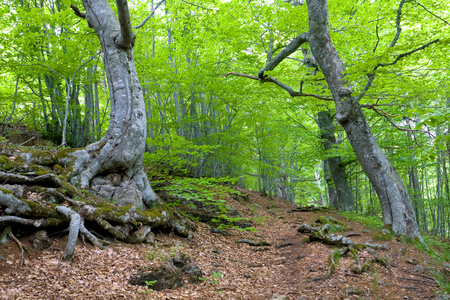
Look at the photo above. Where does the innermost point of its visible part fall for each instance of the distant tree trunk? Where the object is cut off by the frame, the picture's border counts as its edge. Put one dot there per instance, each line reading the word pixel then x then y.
pixel 121 150
pixel 345 199
pixel 332 193
pixel 395 202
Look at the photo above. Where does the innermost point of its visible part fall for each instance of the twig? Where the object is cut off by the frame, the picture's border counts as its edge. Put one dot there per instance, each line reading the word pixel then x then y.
pixel 436 16
pixel 149 16
pixel 27 141
pixel 417 274
pixel 419 280
pixel 196 5
pixel 21 246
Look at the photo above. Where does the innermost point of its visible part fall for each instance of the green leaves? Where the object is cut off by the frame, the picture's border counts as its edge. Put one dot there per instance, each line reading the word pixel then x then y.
pixel 67 3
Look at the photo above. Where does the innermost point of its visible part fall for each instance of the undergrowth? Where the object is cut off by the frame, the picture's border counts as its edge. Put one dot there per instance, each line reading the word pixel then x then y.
pixel 371 222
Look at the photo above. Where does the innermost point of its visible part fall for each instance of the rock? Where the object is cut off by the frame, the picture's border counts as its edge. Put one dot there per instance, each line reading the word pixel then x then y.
pixel 419 269
pixel 352 290
pixel 194 273
pixel 150 238
pixel 39 240
pixel 165 277
pixel 278 297
pixel 128 194
pixel 181 261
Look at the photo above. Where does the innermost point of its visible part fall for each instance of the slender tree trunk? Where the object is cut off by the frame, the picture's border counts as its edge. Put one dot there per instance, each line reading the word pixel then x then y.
pixel 395 202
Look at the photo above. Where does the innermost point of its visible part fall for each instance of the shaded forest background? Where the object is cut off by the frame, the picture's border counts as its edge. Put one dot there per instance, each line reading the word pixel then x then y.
pixel 207 127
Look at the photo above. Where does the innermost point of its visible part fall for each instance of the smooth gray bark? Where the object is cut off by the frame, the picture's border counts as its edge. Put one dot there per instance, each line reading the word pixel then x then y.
pixel 121 149
pixel 395 202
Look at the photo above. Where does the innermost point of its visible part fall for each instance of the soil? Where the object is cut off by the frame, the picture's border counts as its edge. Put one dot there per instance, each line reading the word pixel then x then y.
pixel 289 267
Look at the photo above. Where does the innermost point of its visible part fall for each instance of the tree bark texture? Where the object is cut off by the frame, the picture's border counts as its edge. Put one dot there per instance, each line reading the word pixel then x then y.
pixel 395 202
pixel 121 149
pixel 345 199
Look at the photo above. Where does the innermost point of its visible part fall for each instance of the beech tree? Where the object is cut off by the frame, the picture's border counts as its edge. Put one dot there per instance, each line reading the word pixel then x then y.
pixel 395 202
pixel 113 166
pixel 122 148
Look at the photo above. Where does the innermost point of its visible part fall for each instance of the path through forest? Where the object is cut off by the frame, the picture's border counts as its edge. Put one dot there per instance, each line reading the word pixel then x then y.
pixel 289 267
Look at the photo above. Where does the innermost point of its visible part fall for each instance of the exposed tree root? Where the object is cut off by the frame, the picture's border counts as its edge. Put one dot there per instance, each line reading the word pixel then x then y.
pixel 323 235
pixel 21 247
pixel 32 194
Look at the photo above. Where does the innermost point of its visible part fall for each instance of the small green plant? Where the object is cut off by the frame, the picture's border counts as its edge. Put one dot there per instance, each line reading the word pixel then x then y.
pixel 149 284
pixel 152 255
pixel 371 222
pixel 213 279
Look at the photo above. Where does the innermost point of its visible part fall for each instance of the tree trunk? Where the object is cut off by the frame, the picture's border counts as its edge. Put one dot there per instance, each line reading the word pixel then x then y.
pixel 345 199
pixel 121 149
pixel 395 202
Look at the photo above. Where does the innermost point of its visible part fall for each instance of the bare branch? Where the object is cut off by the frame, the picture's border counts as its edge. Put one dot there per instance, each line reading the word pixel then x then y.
pixel 285 87
pixel 386 116
pixel 371 76
pixel 77 11
pixel 436 16
pixel 288 50
pixel 397 23
pixel 199 6
pixel 400 56
pixel 149 16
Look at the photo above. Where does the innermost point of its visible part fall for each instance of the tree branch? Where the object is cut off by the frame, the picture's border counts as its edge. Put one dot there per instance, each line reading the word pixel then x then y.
pixel 149 16
pixel 385 115
pixel 77 11
pixel 288 50
pixel 400 56
pixel 434 15
pixel 397 23
pixel 285 87
pixel 126 37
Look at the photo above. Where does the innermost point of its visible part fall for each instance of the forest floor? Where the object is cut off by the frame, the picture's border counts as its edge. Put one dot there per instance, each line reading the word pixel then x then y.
pixel 289 267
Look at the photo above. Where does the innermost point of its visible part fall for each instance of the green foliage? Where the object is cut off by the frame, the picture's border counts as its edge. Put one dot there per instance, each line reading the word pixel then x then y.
pixel 371 222
pixel 213 279
pixel 209 191
pixel 174 154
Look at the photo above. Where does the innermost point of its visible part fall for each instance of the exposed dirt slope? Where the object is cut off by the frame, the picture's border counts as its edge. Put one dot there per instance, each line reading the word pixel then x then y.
pixel 232 270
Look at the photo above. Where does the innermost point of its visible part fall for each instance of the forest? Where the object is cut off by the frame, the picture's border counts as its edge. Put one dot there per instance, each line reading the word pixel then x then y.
pixel 341 104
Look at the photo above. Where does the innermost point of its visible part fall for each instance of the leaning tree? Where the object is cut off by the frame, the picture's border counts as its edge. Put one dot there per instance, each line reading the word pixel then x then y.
pixel 395 202
pixel 46 188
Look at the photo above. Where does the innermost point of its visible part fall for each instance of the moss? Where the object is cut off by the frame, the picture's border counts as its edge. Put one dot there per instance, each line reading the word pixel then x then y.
pixel 5 163
pixel 40 210
pixel 382 235
pixel 58 169
pixel 338 225
pixel 6 191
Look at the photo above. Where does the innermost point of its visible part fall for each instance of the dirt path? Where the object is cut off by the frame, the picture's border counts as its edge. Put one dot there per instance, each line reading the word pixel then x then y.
pixel 288 267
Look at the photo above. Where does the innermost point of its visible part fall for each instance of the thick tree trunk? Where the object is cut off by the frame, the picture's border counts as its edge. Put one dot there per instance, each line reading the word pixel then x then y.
pixel 345 199
pixel 395 202
pixel 121 149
